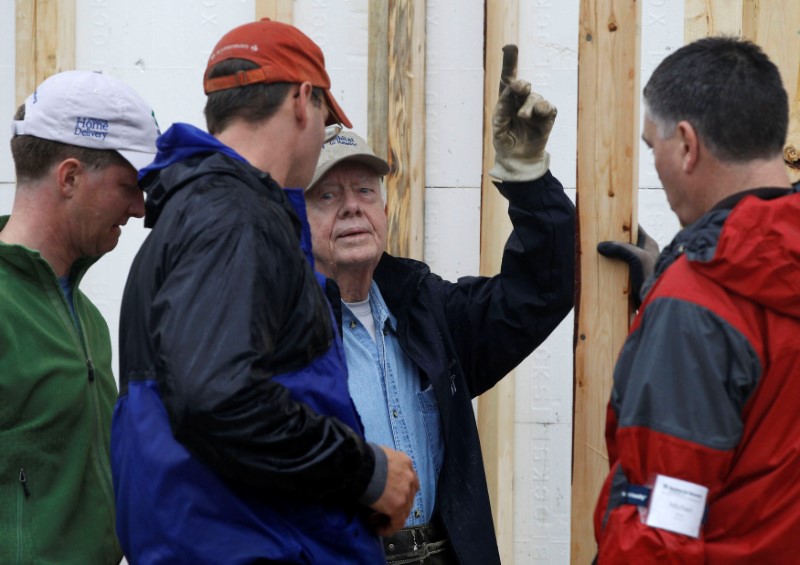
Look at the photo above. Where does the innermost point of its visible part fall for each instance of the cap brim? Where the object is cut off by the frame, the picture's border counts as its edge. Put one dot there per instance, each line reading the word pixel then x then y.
pixel 138 159
pixel 338 116
pixel 377 164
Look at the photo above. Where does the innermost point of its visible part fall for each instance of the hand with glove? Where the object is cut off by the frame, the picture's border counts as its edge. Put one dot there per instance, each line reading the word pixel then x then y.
pixel 641 259
pixel 521 124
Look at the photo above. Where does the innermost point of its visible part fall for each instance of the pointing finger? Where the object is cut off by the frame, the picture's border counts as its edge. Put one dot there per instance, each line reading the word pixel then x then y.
pixel 509 72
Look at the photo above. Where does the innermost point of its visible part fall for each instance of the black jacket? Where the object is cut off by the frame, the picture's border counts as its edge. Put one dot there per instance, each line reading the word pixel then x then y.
pixel 230 363
pixel 466 336
pixel 222 308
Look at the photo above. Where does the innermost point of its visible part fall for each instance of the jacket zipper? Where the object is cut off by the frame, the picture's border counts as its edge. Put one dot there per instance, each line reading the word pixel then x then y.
pixel 103 473
pixel 75 327
pixel 23 479
pixel 23 493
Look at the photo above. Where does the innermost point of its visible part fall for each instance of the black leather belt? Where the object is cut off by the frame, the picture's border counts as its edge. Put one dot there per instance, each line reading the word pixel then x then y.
pixel 412 545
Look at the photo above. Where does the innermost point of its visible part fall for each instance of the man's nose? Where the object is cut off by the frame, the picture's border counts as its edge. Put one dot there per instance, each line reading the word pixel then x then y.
pixel 350 203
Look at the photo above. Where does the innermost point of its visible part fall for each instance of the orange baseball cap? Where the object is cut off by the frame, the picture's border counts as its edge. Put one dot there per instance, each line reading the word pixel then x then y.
pixel 283 54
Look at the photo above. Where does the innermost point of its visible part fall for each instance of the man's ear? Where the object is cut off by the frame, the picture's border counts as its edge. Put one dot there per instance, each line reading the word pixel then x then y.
pixel 690 145
pixel 302 99
pixel 68 174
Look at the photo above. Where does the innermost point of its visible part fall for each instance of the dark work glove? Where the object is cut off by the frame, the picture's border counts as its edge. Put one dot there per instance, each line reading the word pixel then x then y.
pixel 641 259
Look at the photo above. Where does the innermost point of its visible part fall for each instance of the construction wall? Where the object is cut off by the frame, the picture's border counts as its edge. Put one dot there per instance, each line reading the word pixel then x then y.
pixel 160 48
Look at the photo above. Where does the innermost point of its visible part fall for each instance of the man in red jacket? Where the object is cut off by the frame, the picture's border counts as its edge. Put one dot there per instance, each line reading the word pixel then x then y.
pixel 702 429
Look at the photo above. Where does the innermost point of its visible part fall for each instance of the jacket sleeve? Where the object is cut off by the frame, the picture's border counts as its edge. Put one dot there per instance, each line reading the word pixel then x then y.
pixel 496 322
pixel 680 385
pixel 234 315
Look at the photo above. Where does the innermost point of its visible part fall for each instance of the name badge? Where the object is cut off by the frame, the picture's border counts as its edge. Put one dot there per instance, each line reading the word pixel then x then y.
pixel 677 506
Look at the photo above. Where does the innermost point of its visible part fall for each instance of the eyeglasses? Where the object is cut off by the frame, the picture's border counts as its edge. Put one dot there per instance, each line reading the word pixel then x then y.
pixel 331 132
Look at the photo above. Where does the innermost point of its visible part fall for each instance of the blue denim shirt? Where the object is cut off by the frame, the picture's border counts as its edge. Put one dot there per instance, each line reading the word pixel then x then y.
pixel 387 390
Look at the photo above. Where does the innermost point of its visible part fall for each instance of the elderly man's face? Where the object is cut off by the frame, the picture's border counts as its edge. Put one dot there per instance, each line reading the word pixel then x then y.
pixel 348 220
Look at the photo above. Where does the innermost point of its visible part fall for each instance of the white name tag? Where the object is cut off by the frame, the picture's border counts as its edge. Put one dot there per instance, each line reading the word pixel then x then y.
pixel 677 506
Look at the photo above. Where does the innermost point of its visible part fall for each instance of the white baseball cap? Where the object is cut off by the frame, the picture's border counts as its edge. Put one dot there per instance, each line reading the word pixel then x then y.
pixel 347 146
pixel 94 110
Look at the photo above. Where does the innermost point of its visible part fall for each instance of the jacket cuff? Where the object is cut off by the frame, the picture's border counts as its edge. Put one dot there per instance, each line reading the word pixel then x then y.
pixel 546 180
pixel 378 481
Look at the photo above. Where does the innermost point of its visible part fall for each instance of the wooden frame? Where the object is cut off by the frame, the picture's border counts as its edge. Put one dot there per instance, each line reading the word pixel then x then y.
pixel 607 183
pixel 496 407
pixel 396 114
pixel 45 42
pixel 276 10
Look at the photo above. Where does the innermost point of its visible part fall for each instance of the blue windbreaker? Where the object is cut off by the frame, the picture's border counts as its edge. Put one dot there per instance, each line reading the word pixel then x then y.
pixel 234 439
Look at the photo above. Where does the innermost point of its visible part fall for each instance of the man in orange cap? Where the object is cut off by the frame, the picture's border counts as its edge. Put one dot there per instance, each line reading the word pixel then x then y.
pixel 235 439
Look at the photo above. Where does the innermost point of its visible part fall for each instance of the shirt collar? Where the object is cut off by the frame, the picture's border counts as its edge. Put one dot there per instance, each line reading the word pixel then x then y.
pixel 380 311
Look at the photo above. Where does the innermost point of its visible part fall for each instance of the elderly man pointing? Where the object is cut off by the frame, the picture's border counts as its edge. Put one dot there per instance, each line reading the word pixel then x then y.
pixel 419 348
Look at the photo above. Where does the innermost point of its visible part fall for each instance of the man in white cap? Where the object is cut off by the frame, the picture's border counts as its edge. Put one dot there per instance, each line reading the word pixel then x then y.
pixel 418 348
pixel 77 143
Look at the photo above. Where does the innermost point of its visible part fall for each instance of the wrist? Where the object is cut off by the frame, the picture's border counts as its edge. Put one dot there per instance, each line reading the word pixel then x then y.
pixel 377 482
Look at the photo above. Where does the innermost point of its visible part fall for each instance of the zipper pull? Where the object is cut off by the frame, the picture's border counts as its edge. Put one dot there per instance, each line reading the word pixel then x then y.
pixel 90 368
pixel 23 479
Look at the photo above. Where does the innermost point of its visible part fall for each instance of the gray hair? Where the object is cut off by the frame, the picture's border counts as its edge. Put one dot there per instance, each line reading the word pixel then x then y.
pixel 729 91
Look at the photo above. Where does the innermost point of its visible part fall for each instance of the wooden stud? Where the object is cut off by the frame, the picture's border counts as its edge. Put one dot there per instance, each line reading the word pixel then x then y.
pixel 276 10
pixel 496 407
pixel 406 128
pixel 396 115
pixel 45 42
pixel 706 17
pixel 607 181
pixel 378 78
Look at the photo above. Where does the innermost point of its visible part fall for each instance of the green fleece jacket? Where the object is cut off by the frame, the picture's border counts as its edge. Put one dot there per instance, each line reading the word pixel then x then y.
pixel 57 392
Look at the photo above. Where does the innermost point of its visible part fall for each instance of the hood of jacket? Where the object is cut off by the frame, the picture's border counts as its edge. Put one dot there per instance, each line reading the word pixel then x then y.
pixel 751 249
pixel 184 153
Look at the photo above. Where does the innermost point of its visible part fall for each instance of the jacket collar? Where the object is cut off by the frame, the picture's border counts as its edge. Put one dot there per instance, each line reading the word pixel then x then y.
pixel 763 193
pixel 399 280
pixel 699 240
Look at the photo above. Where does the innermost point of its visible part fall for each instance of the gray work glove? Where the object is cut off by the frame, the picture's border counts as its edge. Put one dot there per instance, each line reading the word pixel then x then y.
pixel 641 259
pixel 521 124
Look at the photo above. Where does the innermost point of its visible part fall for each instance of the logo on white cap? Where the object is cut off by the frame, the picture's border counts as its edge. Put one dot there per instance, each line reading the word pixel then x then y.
pixel 347 146
pixel 94 127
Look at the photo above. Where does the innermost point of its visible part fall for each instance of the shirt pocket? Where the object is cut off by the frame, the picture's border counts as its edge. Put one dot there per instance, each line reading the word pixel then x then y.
pixel 429 407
